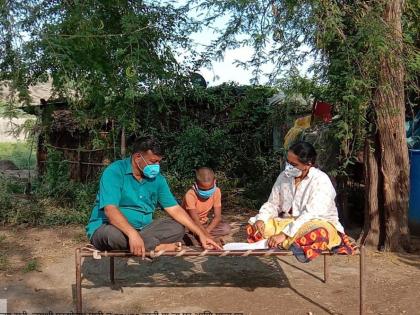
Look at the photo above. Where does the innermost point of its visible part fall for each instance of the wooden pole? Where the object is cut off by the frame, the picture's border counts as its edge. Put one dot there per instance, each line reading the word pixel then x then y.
pixel 78 281
pixel 362 280
pixel 79 166
pixel 123 144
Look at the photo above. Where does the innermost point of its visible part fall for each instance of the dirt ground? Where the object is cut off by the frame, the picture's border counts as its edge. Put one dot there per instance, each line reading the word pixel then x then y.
pixel 37 275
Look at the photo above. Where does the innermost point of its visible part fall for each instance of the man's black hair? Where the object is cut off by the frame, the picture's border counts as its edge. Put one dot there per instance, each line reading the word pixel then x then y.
pixel 305 152
pixel 145 144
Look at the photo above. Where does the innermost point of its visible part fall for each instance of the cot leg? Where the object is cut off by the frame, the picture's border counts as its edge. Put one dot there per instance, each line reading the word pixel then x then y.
pixel 78 281
pixel 326 269
pixel 362 280
pixel 111 270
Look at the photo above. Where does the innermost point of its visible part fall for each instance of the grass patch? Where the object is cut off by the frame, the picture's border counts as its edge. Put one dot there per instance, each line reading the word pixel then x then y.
pixel 18 153
pixel 32 265
pixel 3 262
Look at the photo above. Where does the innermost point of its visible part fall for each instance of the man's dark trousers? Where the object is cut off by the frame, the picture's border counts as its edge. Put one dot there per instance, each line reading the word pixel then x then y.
pixel 161 231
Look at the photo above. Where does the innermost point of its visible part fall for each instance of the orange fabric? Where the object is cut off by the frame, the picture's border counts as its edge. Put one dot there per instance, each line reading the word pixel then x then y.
pixel 253 235
pixel 203 206
pixel 313 243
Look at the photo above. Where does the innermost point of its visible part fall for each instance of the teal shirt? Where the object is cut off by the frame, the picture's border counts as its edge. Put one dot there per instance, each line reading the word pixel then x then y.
pixel 137 200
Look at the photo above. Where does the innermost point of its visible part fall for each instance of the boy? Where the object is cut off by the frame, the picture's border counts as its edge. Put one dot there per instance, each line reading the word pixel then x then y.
pixel 200 200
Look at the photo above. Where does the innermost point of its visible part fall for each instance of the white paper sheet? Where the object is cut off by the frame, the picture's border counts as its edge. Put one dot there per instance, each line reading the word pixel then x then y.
pixel 245 246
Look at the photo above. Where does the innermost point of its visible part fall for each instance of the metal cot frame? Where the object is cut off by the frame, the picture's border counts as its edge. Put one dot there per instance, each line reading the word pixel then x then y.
pixel 90 251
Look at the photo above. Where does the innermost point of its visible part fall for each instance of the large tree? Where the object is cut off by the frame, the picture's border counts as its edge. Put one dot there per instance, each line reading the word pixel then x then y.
pixel 100 55
pixel 360 53
pixel 386 209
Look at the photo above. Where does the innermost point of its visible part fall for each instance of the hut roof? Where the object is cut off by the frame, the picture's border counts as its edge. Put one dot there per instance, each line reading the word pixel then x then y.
pixel 36 92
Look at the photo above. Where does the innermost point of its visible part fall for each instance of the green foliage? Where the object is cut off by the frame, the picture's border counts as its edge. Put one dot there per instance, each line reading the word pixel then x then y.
pixel 116 60
pixel 411 27
pixel 55 183
pixel 15 207
pixel 100 55
pixel 343 40
pixel 55 200
pixel 4 264
pixel 31 265
pixel 64 201
pixel 5 196
pixel 227 127
pixel 224 126
pixel 197 147
pixel 19 153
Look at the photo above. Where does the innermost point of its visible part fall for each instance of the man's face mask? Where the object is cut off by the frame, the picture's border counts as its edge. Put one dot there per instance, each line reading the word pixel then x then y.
pixel 292 171
pixel 205 194
pixel 150 170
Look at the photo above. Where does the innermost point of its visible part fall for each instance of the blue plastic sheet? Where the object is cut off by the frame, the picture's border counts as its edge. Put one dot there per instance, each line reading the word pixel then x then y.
pixel 412 128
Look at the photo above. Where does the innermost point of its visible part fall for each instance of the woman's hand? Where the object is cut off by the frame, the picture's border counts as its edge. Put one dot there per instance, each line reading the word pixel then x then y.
pixel 276 240
pixel 259 225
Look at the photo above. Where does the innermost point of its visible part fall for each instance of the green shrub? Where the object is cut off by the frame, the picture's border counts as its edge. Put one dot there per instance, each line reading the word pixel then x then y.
pixel 31 265
pixel 55 200
pixel 4 264
pixel 19 153
pixel 5 195
pixel 196 146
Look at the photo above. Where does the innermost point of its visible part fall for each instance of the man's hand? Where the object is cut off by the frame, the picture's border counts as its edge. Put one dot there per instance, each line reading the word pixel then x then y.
pixel 260 226
pixel 117 219
pixel 276 240
pixel 207 242
pixel 136 244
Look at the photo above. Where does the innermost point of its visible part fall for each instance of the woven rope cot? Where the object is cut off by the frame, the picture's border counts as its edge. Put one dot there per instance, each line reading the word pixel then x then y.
pixel 90 251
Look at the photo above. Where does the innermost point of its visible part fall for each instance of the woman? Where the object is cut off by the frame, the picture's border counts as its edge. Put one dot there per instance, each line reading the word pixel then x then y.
pixel 301 191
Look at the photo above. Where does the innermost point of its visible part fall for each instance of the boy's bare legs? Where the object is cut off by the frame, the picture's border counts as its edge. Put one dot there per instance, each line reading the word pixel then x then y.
pixel 171 247
pixel 220 230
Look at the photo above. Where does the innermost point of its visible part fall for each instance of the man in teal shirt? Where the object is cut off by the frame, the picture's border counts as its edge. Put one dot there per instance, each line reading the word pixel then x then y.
pixel 129 191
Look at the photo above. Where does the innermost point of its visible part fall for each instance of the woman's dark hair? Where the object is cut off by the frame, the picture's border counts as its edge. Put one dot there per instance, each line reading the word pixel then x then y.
pixel 145 144
pixel 305 152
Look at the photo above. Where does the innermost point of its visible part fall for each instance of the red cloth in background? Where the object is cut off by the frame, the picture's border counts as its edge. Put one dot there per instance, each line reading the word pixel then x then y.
pixel 323 111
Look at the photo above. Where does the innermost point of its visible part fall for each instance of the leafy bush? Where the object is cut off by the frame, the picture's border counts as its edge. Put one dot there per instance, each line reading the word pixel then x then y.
pixel 5 196
pixel 19 153
pixel 228 128
pixel 31 265
pixel 55 199
pixel 197 147
pixel 15 207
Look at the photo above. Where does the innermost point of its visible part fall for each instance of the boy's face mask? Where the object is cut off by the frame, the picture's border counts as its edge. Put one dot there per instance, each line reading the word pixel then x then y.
pixel 292 171
pixel 150 170
pixel 205 194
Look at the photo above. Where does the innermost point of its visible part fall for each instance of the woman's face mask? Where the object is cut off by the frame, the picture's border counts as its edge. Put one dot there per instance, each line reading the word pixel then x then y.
pixel 292 171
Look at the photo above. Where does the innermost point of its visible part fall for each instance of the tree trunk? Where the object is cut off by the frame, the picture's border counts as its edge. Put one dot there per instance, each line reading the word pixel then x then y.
pixel 389 106
pixel 372 224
